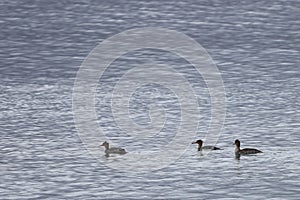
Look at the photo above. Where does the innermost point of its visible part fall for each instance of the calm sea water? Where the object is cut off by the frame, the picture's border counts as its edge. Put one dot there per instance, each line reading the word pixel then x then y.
pixel 255 45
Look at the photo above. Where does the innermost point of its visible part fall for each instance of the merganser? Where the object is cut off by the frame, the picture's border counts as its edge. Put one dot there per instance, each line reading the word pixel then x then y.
pixel 113 150
pixel 200 142
pixel 245 151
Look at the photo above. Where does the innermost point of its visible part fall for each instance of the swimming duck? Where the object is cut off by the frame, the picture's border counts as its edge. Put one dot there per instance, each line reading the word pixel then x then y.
pixel 200 142
pixel 113 150
pixel 245 151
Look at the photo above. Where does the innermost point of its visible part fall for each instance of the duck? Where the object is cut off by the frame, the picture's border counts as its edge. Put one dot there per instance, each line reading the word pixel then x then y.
pixel 246 151
pixel 112 150
pixel 200 147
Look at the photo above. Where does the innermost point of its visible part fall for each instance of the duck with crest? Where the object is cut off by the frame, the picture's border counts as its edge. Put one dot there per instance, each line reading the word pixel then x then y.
pixel 112 150
pixel 200 147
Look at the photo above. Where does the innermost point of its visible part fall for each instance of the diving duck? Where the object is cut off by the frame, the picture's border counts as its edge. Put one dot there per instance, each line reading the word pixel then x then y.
pixel 200 147
pixel 239 151
pixel 112 150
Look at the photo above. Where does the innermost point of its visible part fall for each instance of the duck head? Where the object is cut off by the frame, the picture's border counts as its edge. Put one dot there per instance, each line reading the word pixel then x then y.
pixel 105 144
pixel 237 143
pixel 199 142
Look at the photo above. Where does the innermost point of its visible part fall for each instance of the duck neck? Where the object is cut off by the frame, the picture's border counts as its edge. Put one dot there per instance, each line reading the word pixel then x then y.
pixel 106 146
pixel 199 147
pixel 237 148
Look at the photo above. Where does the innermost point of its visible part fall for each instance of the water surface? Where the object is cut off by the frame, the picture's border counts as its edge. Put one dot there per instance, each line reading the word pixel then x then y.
pixel 255 46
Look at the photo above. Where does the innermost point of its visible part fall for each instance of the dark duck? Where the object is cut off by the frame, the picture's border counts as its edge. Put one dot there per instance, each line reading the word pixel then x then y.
pixel 246 151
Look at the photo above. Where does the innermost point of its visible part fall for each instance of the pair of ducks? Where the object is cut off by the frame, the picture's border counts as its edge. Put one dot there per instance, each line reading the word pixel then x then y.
pixel 238 150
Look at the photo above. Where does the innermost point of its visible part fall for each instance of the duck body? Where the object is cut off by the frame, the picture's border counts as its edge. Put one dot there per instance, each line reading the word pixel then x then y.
pixel 200 147
pixel 112 150
pixel 245 151
pixel 249 151
pixel 115 150
pixel 211 148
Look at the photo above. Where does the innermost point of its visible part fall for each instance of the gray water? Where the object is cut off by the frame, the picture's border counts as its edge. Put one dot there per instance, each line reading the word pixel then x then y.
pixel 255 45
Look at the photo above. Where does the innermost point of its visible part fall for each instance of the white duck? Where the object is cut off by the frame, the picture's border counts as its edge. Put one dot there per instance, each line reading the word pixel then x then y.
pixel 200 147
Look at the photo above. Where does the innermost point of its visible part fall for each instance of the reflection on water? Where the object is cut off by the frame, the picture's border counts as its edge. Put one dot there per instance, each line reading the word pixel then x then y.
pixel 254 44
